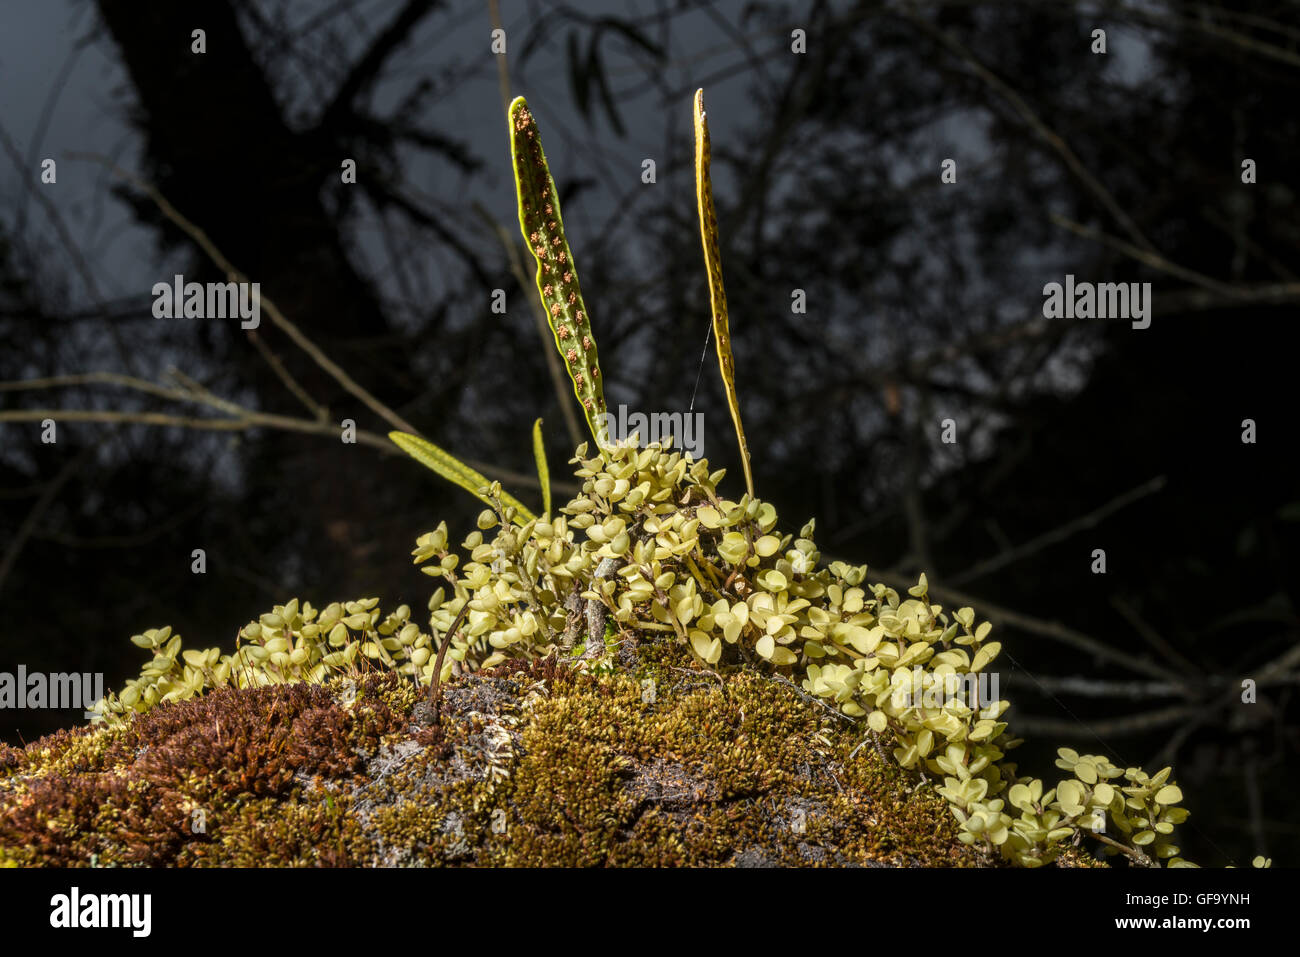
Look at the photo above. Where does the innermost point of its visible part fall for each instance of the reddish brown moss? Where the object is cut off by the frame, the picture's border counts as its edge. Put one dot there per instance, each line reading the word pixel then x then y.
pixel 154 791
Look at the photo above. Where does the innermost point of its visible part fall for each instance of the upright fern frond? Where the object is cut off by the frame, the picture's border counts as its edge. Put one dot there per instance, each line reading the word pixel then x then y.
pixel 713 263
pixel 557 278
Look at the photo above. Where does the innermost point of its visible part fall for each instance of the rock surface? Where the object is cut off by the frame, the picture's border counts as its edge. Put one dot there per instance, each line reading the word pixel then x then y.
pixel 530 765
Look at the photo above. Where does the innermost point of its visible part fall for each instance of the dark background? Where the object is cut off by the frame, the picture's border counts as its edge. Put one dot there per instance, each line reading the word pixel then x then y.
pixel 924 303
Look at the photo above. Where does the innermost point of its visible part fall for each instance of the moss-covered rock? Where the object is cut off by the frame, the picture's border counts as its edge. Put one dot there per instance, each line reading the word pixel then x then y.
pixel 529 764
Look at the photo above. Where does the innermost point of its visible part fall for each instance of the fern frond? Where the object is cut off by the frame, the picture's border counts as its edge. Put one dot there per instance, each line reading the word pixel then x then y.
pixel 557 279
pixel 713 263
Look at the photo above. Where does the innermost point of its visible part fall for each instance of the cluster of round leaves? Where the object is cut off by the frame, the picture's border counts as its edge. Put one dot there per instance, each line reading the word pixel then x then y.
pixel 1031 826
pixel 718 576
pixel 290 643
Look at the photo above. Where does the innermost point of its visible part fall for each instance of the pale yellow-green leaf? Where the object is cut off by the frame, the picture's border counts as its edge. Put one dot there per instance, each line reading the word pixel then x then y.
pixel 1169 794
pixel 455 471
pixel 713 264
pixel 985 655
pixel 542 225
pixel 543 472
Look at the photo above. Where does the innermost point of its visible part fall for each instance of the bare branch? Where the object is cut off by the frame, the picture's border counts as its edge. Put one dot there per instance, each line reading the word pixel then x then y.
pixel 1094 688
pixel 1114 727
pixel 273 311
pixel 1047 629
pixel 290 383
pixel 38 509
pixel 1272 292
pixel 366 70
pixel 1060 534
pixel 1153 637
pixel 1053 139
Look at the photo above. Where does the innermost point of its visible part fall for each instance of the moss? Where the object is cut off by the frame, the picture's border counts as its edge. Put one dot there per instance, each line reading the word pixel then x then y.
pixel 162 788
pixel 531 764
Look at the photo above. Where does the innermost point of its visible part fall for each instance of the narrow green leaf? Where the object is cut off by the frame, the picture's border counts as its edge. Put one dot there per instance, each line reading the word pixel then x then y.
pixel 543 473
pixel 455 471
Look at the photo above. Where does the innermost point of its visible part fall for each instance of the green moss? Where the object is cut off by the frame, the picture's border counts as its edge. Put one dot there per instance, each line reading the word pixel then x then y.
pixel 532 765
